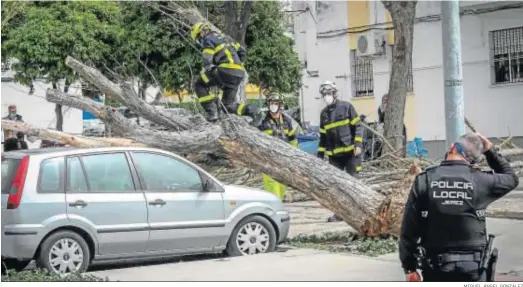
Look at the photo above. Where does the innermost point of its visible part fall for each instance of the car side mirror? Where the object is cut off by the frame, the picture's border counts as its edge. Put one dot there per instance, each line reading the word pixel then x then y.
pixel 208 185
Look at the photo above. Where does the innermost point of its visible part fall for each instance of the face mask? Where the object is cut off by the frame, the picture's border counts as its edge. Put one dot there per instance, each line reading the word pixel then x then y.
pixel 329 99
pixel 12 116
pixel 274 108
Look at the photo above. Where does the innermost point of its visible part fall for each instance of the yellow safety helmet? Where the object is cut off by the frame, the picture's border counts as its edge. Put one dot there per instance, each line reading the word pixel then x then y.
pixel 197 28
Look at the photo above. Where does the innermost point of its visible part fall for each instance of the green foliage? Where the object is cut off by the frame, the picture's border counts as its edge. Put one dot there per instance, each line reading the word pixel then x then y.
pixel 151 40
pixel 50 31
pixel 41 275
pixel 127 37
pixel 347 242
pixel 271 60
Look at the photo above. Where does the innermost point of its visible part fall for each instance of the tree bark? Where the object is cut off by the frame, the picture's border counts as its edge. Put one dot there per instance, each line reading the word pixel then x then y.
pixel 58 114
pixel 132 100
pixel 403 14
pixel 355 202
pixel 369 211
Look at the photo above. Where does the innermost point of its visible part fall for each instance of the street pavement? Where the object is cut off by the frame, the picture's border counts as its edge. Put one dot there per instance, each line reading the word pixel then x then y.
pixel 314 265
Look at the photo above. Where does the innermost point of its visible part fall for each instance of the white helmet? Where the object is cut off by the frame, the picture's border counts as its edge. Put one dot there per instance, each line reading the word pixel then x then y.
pixel 328 86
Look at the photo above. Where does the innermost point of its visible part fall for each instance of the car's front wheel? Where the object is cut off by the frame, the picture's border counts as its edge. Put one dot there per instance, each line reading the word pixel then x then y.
pixel 64 252
pixel 253 235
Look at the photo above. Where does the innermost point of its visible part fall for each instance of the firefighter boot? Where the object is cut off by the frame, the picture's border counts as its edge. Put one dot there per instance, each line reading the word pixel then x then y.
pixel 256 114
pixel 212 111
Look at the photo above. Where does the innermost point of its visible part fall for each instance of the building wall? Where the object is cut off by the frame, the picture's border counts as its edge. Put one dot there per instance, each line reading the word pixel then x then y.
pixel 35 109
pixel 494 110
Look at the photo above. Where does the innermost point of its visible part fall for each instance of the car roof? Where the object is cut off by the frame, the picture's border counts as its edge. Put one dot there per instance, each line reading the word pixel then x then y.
pixel 63 151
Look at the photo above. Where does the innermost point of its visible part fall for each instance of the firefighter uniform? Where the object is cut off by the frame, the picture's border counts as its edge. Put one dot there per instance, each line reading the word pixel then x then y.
pixel 223 67
pixel 283 129
pixel 446 211
pixel 340 133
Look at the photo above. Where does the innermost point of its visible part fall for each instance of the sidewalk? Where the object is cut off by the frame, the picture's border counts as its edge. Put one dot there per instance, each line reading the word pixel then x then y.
pixel 290 265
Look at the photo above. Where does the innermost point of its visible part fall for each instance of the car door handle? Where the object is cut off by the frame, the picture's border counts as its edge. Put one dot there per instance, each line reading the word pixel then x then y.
pixel 78 203
pixel 157 202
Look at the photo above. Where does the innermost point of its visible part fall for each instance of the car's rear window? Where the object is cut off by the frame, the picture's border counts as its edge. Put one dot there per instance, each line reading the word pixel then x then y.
pixel 9 167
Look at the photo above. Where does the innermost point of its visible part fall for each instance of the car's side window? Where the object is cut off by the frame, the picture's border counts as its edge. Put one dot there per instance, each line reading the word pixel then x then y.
pixel 76 181
pixel 108 173
pixel 163 173
pixel 51 176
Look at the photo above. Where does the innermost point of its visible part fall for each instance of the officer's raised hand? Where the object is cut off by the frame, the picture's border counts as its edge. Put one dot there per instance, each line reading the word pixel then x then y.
pixel 486 143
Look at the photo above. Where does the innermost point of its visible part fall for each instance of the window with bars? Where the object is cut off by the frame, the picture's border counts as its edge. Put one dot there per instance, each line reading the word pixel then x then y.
pixel 362 76
pixel 506 55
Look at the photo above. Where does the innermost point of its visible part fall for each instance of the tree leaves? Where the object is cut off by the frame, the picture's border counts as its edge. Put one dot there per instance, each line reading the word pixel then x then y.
pixel 50 32
pixel 139 42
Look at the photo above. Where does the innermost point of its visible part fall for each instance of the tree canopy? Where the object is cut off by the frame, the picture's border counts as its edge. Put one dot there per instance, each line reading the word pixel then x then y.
pixel 52 30
pixel 142 43
pixel 272 61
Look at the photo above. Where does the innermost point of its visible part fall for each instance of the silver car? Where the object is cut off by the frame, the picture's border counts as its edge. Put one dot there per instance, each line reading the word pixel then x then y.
pixel 69 207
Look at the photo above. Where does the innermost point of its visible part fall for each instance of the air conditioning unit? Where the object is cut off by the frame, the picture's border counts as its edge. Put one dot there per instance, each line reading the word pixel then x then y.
pixel 372 44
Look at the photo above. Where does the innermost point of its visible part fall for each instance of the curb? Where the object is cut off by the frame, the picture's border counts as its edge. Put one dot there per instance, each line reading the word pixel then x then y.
pixel 505 214
pixel 508 278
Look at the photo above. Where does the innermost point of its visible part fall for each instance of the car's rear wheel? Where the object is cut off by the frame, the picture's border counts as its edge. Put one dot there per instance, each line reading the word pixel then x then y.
pixel 64 252
pixel 253 235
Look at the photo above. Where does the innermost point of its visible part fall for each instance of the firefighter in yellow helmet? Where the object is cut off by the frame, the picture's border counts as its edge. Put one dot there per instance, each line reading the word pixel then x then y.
pixel 223 67
pixel 278 125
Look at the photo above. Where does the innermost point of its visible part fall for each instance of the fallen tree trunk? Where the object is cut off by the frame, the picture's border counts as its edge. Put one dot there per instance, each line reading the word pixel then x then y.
pixel 369 211
pixel 244 145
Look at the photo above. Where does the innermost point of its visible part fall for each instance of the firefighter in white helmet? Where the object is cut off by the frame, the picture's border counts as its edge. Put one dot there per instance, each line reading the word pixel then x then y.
pixel 340 133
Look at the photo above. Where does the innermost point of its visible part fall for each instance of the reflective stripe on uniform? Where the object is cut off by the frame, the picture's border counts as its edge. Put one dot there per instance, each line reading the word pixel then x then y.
pixel 269 132
pixel 321 149
pixel 340 150
pixel 358 168
pixel 322 131
pixel 229 56
pixel 206 99
pixel 354 121
pixel 358 139
pixel 337 124
pixel 204 77
pixel 239 112
pixel 294 143
pixel 236 45
pixel 290 133
pixel 209 51
pixel 231 66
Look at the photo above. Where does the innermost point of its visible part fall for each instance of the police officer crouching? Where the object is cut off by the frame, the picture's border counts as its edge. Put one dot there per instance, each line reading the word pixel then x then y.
pixel 445 213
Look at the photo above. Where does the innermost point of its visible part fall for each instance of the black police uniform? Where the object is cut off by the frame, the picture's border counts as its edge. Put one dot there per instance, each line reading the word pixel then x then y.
pixel 223 61
pixel 446 211
pixel 340 132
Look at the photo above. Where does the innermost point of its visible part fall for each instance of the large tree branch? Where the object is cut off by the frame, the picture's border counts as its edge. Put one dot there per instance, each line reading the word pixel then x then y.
pixel 183 142
pixel 244 22
pixel 65 138
pixel 131 99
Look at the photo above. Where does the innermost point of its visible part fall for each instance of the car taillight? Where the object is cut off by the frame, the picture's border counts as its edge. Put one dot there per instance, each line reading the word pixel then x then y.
pixel 18 184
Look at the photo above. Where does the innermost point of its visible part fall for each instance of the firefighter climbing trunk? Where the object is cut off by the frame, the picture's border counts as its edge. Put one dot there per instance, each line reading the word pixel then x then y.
pixel 202 88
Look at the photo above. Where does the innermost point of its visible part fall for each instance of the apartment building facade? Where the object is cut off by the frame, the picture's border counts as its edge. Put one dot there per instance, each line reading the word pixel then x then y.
pixel 350 43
